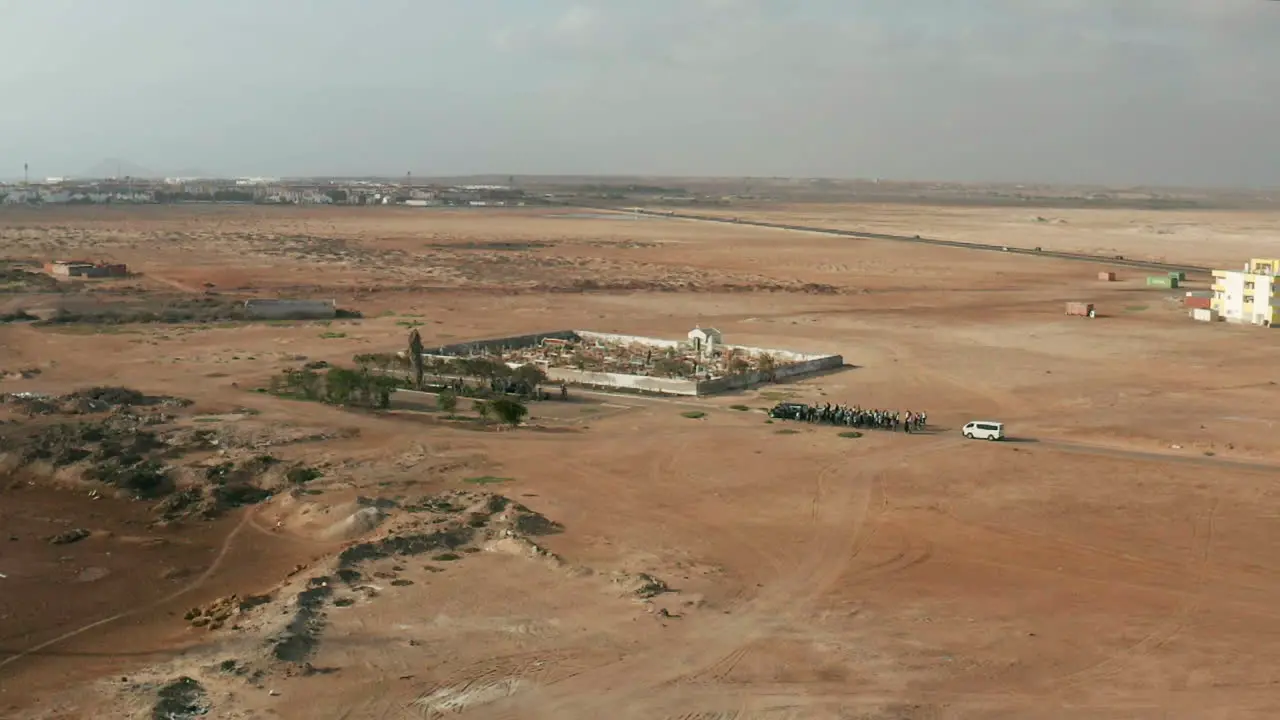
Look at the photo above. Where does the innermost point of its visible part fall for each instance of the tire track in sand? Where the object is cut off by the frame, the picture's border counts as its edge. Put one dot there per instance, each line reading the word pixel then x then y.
pixel 1203 532
pixel 720 643
pixel 204 577
pixel 650 682
pixel 821 577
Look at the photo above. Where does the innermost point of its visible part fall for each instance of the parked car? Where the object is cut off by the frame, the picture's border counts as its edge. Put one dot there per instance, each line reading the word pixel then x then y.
pixel 984 430
pixel 787 410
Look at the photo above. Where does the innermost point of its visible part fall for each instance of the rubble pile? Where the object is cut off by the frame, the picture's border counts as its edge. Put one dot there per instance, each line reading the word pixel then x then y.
pixel 90 401
pixel 214 615
pixel 128 440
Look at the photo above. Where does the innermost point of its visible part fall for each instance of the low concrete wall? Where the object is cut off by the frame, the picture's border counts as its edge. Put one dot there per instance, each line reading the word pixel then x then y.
pixel 672 386
pixel 480 347
pixel 291 309
pixel 789 364
pixel 645 383
pixel 589 335
pixel 819 363
pixel 781 356
pixel 813 365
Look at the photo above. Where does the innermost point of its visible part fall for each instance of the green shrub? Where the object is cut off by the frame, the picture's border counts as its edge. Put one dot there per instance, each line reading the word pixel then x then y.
pixel 509 411
pixel 447 401
pixel 302 474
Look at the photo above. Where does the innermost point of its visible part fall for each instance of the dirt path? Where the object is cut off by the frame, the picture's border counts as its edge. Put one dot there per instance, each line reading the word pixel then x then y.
pixel 848 498
pixel 194 584
pixel 175 284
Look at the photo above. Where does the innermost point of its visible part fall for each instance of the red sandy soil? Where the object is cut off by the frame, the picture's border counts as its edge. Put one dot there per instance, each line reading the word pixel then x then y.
pixel 1115 561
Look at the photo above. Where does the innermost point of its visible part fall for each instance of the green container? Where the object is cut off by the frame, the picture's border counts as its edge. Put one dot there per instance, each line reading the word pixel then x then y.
pixel 1178 276
pixel 1173 282
pixel 1161 281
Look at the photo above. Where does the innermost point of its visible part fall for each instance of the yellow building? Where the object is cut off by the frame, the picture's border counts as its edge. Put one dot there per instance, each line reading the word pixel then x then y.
pixel 1251 295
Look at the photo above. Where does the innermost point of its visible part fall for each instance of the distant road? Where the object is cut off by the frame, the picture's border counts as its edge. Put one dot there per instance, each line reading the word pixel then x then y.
pixel 1057 255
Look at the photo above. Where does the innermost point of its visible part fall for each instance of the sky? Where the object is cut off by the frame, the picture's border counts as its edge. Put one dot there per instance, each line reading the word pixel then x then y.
pixel 1155 92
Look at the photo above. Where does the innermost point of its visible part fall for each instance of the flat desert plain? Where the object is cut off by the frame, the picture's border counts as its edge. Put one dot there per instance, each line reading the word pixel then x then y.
pixel 1222 239
pixel 622 556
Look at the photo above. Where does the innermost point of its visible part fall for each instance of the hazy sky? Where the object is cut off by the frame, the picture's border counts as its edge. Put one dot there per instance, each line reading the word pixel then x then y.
pixel 1115 91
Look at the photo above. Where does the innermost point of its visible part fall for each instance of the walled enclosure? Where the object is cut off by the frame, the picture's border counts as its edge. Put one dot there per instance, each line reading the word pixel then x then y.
pixel 787 364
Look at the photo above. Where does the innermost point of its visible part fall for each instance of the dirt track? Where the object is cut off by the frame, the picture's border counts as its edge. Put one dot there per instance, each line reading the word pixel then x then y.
pixel 1118 566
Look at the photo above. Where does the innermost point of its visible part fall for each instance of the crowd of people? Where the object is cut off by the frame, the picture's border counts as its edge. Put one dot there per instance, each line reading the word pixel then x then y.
pixel 854 417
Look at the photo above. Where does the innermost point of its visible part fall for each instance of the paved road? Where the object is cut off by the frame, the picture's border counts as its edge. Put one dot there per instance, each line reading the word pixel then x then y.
pixel 1057 255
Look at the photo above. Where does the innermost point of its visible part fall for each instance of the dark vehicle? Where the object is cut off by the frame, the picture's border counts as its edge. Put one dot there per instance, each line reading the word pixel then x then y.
pixel 787 411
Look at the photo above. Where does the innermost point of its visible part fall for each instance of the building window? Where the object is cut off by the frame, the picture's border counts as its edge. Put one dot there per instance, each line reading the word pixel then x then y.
pixel 1248 286
pixel 1248 298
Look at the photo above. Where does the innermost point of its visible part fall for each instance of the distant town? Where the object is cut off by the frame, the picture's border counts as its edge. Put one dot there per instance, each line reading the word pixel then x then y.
pixel 311 191
pixel 509 191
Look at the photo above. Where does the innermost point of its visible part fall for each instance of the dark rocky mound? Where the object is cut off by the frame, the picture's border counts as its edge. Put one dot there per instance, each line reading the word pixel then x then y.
pixel 182 699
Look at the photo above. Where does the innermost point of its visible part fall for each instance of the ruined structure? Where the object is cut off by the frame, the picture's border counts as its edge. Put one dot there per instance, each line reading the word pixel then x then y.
pixel 703 364
pixel 85 268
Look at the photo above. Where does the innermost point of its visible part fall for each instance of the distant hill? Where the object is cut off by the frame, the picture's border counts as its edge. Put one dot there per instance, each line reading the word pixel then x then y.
pixel 117 168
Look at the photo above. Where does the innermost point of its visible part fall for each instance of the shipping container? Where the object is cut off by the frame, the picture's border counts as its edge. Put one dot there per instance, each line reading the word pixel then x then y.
pixel 1197 302
pixel 1200 293
pixel 1161 281
pixel 1107 276
pixel 1179 275
pixel 1080 309
pixel 1204 315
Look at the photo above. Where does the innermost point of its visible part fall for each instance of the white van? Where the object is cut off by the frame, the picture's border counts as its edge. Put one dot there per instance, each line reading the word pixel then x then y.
pixel 984 430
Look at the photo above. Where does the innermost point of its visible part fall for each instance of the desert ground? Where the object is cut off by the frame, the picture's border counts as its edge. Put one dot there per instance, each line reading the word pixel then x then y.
pixel 1221 239
pixel 624 556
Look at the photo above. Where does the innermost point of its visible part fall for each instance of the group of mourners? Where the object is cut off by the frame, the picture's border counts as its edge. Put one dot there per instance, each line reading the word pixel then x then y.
pixel 855 416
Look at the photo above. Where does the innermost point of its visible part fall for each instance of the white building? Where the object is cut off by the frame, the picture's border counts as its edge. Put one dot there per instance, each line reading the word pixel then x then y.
pixel 705 340
pixel 1251 295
